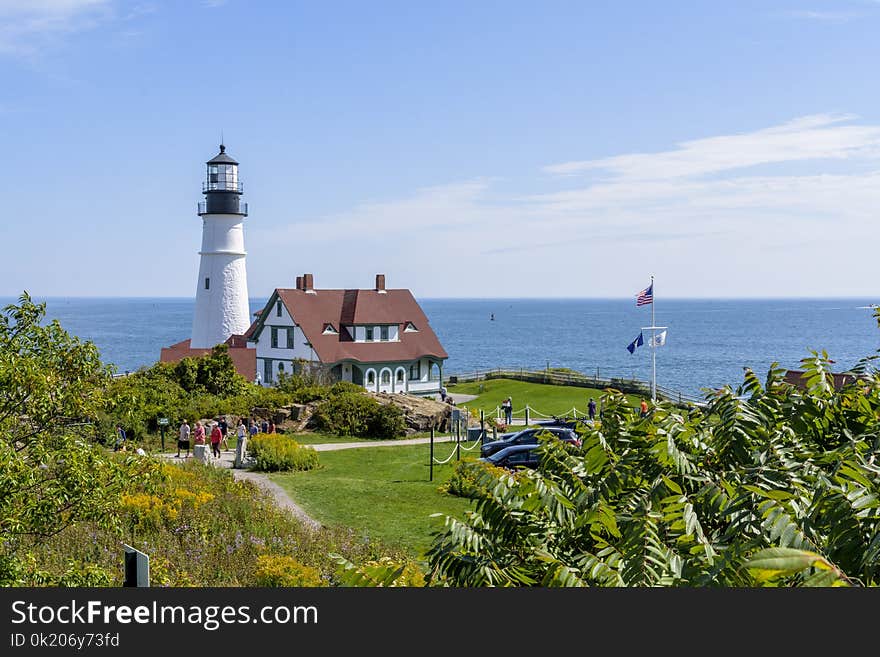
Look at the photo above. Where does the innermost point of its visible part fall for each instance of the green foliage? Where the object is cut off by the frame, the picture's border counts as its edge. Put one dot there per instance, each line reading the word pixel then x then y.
pixel 382 572
pixel 467 478
pixel 51 474
pixel 286 571
pixel 138 400
pixel 357 414
pixel 769 485
pixel 200 527
pixel 274 452
pixel 74 574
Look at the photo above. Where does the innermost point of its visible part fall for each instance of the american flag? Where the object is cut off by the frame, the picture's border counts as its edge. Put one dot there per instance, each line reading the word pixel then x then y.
pixel 646 296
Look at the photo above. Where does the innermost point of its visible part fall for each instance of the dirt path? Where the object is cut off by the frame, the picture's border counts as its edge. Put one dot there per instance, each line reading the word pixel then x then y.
pixel 282 499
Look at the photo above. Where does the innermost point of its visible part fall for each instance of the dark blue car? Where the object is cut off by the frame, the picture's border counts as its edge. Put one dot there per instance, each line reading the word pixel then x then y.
pixel 515 456
pixel 528 437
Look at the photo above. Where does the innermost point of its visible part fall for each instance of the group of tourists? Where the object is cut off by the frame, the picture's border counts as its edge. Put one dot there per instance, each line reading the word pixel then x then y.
pixel 217 433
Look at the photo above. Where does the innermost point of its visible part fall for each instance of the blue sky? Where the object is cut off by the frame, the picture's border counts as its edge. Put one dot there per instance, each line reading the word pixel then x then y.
pixel 464 149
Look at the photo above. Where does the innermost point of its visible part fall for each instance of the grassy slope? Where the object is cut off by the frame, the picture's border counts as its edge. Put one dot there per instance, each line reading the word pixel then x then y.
pixel 380 491
pixel 543 398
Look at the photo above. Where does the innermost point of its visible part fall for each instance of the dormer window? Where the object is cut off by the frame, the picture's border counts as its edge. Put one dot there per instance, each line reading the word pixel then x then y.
pixel 369 332
pixel 278 308
pixel 329 329
pixel 383 333
pixel 409 327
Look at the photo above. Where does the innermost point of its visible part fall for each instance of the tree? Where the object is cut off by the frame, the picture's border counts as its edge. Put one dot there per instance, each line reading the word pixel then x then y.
pixel 52 474
pixel 768 484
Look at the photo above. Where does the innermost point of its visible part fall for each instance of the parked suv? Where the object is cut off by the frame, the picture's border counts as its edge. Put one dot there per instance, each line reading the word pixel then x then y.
pixel 528 437
pixel 514 456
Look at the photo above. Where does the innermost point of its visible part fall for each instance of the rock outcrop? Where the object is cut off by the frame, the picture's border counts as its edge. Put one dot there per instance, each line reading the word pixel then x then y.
pixel 420 413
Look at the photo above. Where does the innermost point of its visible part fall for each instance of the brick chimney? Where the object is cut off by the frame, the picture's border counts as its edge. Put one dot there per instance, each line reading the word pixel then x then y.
pixel 308 284
pixel 299 282
pixel 380 283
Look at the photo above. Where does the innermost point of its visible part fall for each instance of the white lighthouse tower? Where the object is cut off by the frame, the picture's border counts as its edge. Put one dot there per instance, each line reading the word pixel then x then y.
pixel 221 290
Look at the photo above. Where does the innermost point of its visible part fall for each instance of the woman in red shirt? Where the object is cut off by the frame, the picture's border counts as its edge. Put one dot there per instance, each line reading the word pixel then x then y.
pixel 216 437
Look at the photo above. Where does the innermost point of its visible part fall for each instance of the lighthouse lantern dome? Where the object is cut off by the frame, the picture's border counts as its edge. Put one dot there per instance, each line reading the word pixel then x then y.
pixel 222 173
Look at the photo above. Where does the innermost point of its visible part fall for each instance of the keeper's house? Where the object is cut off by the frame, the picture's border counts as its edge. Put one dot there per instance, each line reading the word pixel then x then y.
pixel 379 339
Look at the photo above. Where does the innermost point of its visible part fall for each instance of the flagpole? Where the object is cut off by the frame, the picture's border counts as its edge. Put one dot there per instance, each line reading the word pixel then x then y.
pixel 653 346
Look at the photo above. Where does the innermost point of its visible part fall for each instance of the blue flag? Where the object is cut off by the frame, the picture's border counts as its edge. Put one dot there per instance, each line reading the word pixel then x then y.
pixel 638 342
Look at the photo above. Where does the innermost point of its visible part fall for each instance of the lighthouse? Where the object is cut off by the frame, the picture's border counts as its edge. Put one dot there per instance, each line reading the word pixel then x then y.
pixel 222 307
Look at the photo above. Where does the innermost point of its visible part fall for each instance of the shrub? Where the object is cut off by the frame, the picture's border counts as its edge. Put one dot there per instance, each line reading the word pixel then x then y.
pixel 382 572
pixel 310 393
pixel 387 421
pixel 274 452
pixel 284 571
pixel 341 387
pixel 356 414
pixel 466 477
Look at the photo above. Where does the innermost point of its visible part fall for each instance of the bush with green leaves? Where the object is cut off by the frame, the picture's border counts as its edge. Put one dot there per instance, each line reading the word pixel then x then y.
pixel 285 571
pixel 467 478
pixel 137 401
pixel 355 413
pixel 52 474
pixel 279 453
pixel 769 484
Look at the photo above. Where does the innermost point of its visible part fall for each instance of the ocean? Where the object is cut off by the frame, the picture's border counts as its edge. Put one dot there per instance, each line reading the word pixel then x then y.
pixel 708 343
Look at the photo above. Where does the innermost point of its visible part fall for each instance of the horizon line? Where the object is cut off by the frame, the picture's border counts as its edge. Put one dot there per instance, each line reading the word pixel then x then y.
pixel 481 298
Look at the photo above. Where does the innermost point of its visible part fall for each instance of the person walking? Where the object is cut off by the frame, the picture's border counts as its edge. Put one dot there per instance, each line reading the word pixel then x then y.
pixel 507 407
pixel 224 431
pixel 183 439
pixel 199 434
pixel 216 437
pixel 241 445
pixel 120 439
pixel 591 409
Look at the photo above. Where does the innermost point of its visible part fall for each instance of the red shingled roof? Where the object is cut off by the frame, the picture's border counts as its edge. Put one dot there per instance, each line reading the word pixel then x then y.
pixel 312 312
pixel 244 358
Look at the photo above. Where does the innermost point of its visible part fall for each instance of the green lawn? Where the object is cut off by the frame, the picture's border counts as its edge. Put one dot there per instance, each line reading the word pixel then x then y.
pixel 544 398
pixel 382 492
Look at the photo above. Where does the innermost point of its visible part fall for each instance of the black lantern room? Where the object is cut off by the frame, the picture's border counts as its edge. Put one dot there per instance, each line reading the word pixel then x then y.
pixel 222 188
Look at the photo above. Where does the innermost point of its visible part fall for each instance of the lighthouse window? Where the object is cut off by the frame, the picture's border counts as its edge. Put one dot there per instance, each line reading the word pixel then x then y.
pixel 207 283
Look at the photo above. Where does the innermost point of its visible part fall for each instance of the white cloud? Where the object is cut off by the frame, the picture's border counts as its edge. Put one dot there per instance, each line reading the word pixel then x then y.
pixel 828 16
pixel 28 26
pixel 741 233
pixel 815 137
